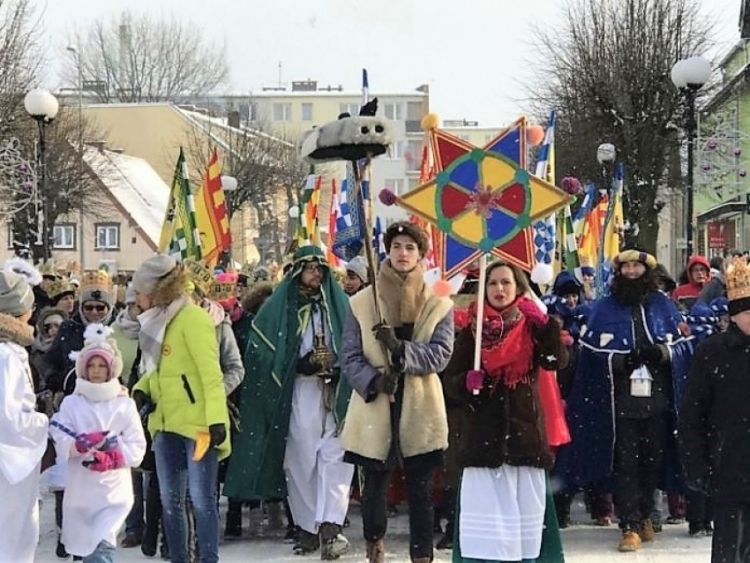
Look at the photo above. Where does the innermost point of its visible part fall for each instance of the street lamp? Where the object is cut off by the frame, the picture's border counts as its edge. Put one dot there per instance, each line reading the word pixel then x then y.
pixel 77 55
pixel 228 184
pixel 689 75
pixel 42 107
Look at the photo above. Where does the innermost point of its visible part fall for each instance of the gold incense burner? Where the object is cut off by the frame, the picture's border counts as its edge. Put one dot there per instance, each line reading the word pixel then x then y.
pixel 322 354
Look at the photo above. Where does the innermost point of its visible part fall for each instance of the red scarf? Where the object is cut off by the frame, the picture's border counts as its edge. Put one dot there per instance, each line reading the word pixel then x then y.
pixel 507 344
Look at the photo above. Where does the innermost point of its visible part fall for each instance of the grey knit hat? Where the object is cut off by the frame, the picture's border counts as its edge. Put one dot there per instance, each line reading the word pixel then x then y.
pixel 130 294
pixel 151 272
pixel 358 265
pixel 16 295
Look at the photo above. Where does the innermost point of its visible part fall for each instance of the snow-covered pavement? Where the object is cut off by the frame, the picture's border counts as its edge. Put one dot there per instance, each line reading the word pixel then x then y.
pixel 583 544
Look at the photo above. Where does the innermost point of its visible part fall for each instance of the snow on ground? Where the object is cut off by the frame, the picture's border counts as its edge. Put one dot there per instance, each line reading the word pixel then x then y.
pixel 583 543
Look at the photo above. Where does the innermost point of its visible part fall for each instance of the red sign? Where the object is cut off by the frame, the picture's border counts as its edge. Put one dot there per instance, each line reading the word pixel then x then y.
pixel 718 234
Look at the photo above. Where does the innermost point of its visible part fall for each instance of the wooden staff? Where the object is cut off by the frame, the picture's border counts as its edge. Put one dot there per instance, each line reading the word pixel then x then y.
pixel 370 255
pixel 480 314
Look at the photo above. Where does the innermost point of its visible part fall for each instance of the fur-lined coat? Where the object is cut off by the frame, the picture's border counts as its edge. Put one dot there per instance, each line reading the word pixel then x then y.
pixel 378 432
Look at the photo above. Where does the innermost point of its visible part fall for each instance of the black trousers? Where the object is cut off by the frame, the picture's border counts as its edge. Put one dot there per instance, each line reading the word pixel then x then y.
pixel 418 472
pixel 731 539
pixel 699 509
pixel 639 451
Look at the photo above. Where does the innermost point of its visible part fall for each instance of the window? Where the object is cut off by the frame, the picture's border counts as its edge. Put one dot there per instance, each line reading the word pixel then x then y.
pixel 307 112
pixel 108 236
pixel 413 155
pixel 396 186
pixel 351 109
pixel 394 112
pixel 64 237
pixel 282 112
pixel 397 150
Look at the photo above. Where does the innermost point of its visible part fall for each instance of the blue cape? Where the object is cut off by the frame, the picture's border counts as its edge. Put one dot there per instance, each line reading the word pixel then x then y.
pixel 588 458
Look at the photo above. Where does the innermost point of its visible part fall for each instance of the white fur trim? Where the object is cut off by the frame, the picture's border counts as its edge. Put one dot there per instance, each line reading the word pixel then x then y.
pixel 99 392
pixel 23 268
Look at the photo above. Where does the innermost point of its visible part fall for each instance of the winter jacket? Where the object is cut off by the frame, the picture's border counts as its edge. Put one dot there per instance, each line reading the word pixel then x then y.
pixel 503 425
pixel 57 359
pixel 717 287
pixel 187 386
pixel 229 356
pixel 686 294
pixel 420 418
pixel 714 422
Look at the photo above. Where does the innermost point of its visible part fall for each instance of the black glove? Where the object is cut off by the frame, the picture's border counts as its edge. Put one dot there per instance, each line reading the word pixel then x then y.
pixel 386 384
pixel 633 360
pixel 218 434
pixel 143 404
pixel 652 354
pixel 306 365
pixel 699 485
pixel 387 335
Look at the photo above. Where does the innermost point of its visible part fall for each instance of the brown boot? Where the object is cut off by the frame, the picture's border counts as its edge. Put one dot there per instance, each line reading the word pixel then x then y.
pixel 647 531
pixel 630 541
pixel 375 551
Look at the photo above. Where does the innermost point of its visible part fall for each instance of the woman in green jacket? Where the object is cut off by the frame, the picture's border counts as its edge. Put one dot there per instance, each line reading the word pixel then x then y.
pixel 182 387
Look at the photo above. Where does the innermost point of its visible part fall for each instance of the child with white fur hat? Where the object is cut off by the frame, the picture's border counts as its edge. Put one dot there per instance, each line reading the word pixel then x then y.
pixel 99 434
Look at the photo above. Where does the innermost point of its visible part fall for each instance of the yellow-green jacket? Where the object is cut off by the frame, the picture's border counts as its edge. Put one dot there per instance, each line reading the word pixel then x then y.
pixel 188 386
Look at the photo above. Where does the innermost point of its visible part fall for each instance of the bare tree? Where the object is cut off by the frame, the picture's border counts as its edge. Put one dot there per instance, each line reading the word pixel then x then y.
pixel 20 59
pixel 607 71
pixel 264 165
pixel 133 58
pixel 68 185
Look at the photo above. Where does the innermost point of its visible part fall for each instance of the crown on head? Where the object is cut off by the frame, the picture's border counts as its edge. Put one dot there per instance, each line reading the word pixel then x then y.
pixel 201 276
pixel 47 268
pixel 738 279
pixel 98 279
pixel 59 286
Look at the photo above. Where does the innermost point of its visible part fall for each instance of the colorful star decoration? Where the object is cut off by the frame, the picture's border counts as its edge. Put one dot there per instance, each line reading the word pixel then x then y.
pixel 483 200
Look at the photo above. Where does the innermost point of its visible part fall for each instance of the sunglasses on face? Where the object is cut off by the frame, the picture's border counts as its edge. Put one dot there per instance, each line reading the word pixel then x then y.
pixel 97 308
pixel 313 268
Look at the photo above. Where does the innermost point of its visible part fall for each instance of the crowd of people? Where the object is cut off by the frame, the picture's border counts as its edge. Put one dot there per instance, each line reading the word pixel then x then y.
pixel 296 396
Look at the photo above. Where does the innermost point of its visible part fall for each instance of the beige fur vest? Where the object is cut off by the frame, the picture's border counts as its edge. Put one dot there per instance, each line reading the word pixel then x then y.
pixel 423 425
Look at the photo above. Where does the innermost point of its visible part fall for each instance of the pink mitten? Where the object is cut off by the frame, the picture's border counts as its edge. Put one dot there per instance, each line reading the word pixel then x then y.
pixel 106 461
pixel 475 380
pixel 532 312
pixel 91 441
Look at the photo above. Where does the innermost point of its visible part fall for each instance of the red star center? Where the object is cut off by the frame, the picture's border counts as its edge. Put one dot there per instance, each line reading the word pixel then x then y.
pixel 483 201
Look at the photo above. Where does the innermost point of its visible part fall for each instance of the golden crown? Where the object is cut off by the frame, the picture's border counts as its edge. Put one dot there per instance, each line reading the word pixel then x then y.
pixel 47 268
pixel 201 276
pixel 96 280
pixel 58 287
pixel 738 279
pixel 221 291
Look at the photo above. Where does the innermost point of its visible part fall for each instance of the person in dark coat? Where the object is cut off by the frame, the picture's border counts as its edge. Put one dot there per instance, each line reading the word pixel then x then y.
pixel 714 425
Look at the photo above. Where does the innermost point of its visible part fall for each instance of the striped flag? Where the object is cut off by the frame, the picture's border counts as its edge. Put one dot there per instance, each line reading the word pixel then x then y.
pixel 612 229
pixel 331 257
pixel 211 214
pixel 179 234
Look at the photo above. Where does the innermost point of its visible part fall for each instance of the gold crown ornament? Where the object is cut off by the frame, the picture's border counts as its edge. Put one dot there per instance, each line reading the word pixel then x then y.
pixel 224 287
pixel 201 276
pixel 48 269
pixel 738 279
pixel 96 285
pixel 59 287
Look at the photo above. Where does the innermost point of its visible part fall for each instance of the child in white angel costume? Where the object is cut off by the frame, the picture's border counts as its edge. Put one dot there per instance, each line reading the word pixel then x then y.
pixel 99 433
pixel 23 431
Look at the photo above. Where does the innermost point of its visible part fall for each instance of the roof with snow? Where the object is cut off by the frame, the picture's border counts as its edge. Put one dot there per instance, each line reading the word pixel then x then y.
pixel 135 186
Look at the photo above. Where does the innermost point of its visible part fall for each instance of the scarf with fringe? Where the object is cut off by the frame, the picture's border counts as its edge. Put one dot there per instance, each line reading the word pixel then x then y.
pixel 154 324
pixel 507 344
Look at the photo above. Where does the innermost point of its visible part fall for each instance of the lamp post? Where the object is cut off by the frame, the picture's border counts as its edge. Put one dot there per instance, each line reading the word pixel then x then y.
pixel 81 253
pixel 689 75
pixel 228 184
pixel 605 156
pixel 42 107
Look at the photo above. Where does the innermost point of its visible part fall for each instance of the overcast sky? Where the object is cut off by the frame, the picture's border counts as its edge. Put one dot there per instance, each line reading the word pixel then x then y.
pixel 472 53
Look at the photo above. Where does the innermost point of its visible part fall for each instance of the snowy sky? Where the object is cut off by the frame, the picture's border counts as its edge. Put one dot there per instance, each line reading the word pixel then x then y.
pixel 472 53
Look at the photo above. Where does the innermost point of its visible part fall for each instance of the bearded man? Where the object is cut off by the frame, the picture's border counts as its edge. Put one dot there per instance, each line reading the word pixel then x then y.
pixel 632 364
pixel 292 405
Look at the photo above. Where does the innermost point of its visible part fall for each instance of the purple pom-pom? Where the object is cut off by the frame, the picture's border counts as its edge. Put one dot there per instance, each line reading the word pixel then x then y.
pixel 387 197
pixel 571 185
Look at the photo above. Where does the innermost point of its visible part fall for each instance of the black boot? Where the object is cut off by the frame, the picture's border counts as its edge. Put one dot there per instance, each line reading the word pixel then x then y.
pixel 60 550
pixel 233 527
pixel 449 508
pixel 150 538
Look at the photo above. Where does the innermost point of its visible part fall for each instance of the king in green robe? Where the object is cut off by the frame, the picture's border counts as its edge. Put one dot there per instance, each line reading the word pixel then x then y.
pixel 271 360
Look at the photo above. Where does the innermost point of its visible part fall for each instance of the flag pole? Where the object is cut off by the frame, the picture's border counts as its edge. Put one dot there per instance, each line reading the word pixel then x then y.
pixel 480 314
